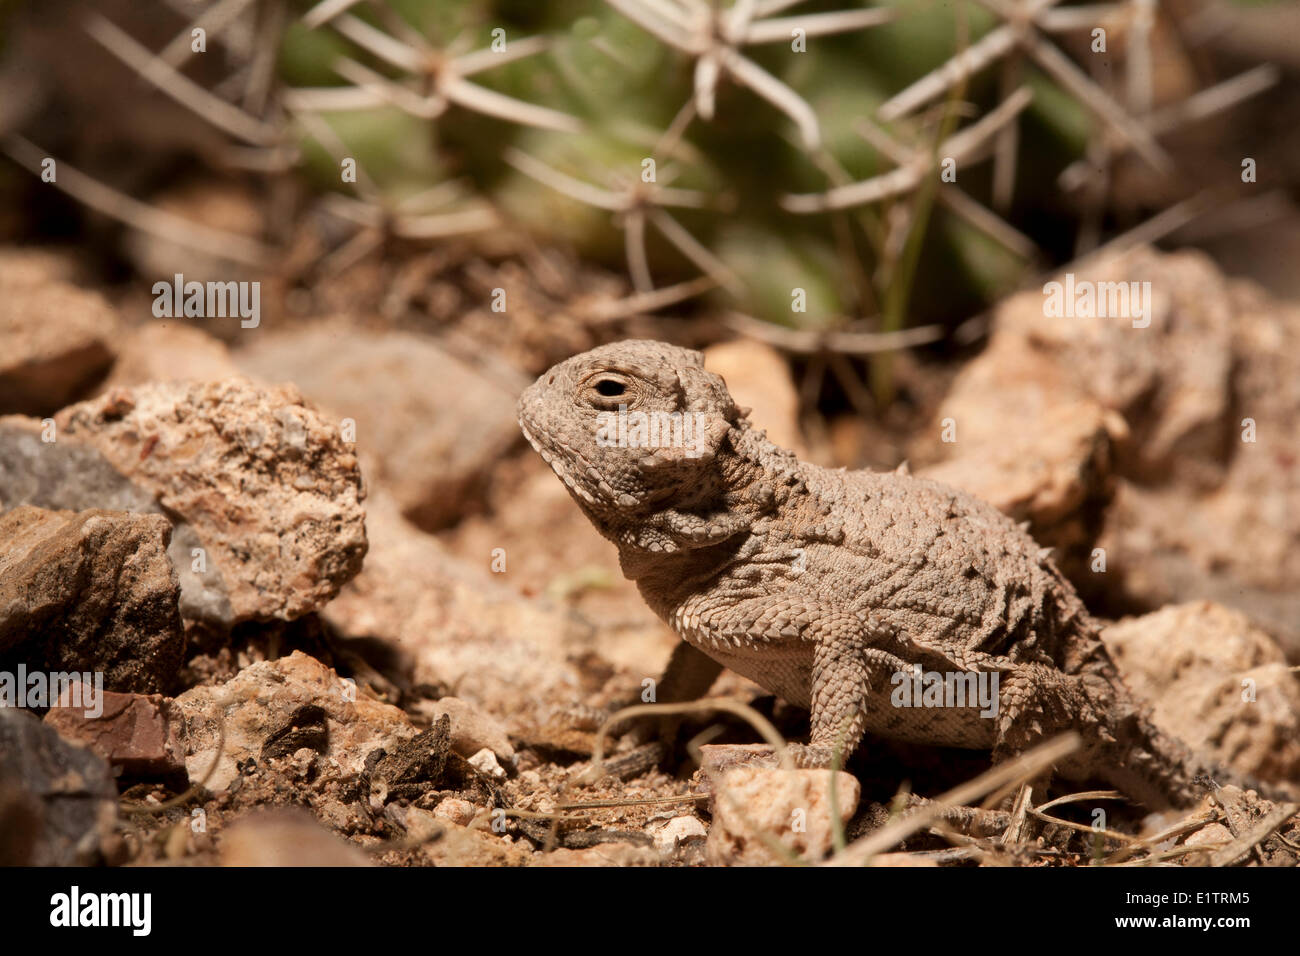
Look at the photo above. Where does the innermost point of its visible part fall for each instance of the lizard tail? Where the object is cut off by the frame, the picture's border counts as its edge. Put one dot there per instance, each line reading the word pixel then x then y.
pixel 1159 770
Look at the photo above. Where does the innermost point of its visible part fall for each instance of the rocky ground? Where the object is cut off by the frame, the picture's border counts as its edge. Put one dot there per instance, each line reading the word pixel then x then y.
pixel 343 616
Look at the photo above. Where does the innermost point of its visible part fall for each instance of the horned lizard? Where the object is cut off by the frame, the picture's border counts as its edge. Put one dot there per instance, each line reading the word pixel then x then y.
pixel 823 586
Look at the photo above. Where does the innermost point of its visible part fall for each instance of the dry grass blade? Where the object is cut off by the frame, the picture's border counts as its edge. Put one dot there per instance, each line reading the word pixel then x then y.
pixel 213 109
pixel 564 183
pixel 446 224
pixel 1022 768
pixel 643 303
pixel 756 720
pixel 138 215
pixel 818 24
pixel 811 342
pixel 972 60
pixel 1248 841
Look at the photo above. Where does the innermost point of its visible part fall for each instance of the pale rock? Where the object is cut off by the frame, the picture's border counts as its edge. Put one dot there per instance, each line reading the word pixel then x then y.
pixel 1135 440
pixel 758 377
pixel 265 698
pixel 792 807
pixel 168 351
pixel 264 497
pixel 672 836
pixel 1216 681
pixel 460 812
pixel 603 854
pixel 506 655
pixel 56 340
pixel 431 424
pixel 1211 833
pixel 485 762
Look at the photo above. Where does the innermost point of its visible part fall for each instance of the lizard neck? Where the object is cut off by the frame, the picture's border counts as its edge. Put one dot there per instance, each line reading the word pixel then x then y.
pixel 709 521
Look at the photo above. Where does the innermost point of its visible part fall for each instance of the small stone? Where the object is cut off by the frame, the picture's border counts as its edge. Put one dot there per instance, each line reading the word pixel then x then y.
pixel 1211 833
pixel 671 836
pixel 55 339
pixel 716 759
pixel 604 854
pixel 460 812
pixel 264 496
pixel 434 424
pixel 793 807
pixel 168 352
pixel 758 377
pixel 462 626
pixel 485 762
pixel 1217 682
pixel 133 732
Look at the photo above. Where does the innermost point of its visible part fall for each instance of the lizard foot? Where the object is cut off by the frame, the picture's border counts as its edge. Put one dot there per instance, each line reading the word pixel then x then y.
pixel 812 756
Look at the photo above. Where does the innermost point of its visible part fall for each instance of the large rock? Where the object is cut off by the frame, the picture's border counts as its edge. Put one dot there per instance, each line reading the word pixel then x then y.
pixel 1136 440
pixel 431 424
pixel 274 708
pixel 90 591
pixel 1216 681
pixel 58 803
pixel 510 656
pixel 55 339
pixel 264 495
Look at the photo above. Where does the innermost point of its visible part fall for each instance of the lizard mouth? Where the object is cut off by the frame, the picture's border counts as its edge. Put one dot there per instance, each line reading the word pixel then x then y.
pixel 558 464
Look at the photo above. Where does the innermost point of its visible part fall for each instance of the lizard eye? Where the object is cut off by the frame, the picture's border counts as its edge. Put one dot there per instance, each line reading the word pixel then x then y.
pixel 608 390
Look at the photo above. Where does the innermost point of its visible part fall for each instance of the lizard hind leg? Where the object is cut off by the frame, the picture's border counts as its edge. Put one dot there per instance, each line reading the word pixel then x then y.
pixel 1120 744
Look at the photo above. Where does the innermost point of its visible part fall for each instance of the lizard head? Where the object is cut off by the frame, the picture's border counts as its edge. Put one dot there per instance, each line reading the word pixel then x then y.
pixel 629 426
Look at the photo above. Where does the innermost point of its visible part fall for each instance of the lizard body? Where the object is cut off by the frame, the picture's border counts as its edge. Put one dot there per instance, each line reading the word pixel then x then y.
pixel 823 586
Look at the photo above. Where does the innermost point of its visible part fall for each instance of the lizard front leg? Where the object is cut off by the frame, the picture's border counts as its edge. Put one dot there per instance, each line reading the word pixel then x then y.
pixel 846 667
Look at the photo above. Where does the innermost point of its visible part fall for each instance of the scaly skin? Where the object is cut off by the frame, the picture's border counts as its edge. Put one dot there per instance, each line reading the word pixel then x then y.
pixel 821 585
